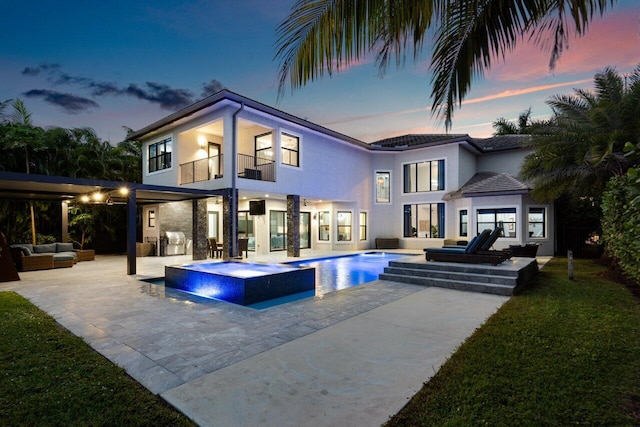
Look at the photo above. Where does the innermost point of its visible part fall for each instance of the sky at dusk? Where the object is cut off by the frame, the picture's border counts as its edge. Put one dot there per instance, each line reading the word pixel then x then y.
pixel 117 63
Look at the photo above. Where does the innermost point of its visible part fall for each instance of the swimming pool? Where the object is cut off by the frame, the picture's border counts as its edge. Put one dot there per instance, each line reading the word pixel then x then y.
pixel 329 273
pixel 341 272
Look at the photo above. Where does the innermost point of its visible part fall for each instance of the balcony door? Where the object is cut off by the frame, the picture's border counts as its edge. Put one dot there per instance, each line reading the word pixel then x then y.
pixel 215 168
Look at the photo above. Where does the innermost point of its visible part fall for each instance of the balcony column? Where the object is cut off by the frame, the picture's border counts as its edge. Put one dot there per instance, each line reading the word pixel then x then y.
pixel 199 229
pixel 293 225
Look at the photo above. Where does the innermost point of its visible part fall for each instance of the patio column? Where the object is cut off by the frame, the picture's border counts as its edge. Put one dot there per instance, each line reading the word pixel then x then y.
pixel 131 231
pixel 293 225
pixel 64 210
pixel 229 224
pixel 199 229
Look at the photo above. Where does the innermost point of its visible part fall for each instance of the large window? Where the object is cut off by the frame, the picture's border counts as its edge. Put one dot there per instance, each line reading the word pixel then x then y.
pixel 160 155
pixel 290 149
pixel 463 221
pixel 490 218
pixel 383 187
pixel 324 222
pixel 363 226
pixel 344 226
pixel 277 230
pixel 424 176
pixel 537 223
pixel 424 220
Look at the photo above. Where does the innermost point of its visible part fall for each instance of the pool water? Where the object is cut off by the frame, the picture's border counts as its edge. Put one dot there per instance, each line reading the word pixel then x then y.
pixel 336 273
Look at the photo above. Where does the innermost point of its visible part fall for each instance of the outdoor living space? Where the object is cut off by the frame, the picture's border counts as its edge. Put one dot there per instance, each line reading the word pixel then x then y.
pixel 322 360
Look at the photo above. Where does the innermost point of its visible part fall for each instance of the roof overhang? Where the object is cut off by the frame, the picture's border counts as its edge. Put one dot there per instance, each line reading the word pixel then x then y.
pixel 22 186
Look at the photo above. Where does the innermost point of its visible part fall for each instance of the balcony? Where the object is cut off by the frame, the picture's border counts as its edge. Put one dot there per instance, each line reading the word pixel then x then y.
pixel 257 168
pixel 201 170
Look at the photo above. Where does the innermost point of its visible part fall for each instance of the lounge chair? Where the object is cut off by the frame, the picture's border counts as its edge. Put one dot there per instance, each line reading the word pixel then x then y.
pixel 485 248
pixel 467 254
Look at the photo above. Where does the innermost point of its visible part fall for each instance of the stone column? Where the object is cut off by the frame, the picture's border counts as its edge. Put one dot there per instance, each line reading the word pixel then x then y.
pixel 229 232
pixel 293 225
pixel 199 229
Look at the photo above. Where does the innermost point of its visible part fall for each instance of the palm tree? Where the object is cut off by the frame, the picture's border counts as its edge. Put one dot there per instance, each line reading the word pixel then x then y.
pixel 585 146
pixel 326 35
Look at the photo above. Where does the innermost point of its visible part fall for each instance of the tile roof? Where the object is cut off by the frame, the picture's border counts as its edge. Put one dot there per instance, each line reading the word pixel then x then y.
pixel 502 142
pixel 491 144
pixel 489 183
pixel 412 140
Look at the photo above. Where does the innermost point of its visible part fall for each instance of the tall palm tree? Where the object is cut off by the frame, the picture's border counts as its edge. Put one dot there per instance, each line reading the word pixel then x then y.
pixel 326 35
pixel 585 146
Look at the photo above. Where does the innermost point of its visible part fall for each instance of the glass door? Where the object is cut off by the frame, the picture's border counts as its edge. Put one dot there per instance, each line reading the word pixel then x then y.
pixel 245 229
pixel 305 230
pixel 277 230
pixel 215 168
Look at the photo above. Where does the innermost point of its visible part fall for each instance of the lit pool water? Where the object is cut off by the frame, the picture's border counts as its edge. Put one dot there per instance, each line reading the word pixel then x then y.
pixel 336 273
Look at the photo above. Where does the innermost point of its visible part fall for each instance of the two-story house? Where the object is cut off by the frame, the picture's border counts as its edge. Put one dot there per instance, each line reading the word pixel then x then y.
pixel 289 184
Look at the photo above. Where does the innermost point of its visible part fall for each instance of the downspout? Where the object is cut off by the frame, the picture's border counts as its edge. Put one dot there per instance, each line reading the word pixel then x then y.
pixel 234 177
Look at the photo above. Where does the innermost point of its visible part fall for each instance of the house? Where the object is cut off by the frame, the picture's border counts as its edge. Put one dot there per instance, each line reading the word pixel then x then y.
pixel 289 184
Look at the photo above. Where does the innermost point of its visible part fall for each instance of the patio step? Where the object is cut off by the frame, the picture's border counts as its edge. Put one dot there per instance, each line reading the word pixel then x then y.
pixel 505 279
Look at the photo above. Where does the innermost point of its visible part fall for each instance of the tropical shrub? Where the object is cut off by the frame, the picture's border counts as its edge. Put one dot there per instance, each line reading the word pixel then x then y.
pixel 621 223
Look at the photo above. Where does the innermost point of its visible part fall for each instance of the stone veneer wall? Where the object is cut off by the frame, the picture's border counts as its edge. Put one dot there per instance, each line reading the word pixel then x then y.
pixel 177 216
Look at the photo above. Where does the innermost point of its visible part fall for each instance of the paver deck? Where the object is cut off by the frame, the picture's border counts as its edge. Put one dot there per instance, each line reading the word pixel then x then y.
pixel 352 357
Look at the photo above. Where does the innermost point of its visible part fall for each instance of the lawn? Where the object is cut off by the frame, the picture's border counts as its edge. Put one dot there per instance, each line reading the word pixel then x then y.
pixel 560 353
pixel 50 377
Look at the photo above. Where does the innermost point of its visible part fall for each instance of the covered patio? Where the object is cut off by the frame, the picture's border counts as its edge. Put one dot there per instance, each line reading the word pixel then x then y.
pixel 21 186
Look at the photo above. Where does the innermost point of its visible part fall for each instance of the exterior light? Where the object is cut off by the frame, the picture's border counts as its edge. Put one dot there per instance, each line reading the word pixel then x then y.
pixel 97 196
pixel 124 191
pixel 202 141
pixel 84 199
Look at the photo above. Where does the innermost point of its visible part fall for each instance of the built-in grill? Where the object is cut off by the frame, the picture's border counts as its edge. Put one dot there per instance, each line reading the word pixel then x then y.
pixel 176 243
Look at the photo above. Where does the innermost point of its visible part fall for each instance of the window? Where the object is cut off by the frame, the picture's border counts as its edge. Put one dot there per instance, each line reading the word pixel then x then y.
pixel 424 220
pixel 363 226
pixel 160 155
pixel 383 187
pixel 463 231
pixel 152 219
pixel 290 149
pixel 277 230
pixel 489 218
pixel 536 220
pixel 344 226
pixel 424 176
pixel 324 220
pixel 264 147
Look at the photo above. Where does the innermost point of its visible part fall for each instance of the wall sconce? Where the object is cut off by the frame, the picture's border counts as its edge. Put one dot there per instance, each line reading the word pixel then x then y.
pixel 109 201
pixel 202 141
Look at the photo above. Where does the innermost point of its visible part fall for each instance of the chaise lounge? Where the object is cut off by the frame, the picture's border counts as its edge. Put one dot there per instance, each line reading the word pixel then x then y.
pixel 473 252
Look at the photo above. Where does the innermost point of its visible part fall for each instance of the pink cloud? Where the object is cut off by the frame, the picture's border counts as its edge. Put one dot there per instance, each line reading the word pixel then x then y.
pixel 612 40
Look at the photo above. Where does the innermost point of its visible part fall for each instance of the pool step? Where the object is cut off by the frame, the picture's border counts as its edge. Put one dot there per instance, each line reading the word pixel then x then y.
pixel 504 279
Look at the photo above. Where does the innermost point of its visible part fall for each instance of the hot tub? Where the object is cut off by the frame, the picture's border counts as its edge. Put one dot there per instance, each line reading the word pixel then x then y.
pixel 240 282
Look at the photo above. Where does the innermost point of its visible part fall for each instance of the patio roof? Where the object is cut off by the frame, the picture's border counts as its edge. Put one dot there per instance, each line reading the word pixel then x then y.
pixel 22 186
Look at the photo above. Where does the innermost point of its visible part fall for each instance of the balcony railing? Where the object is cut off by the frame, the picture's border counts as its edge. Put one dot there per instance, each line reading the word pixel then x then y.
pixel 201 170
pixel 257 168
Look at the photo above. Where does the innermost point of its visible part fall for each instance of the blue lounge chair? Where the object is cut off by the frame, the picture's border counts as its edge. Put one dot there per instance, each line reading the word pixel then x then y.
pixel 471 253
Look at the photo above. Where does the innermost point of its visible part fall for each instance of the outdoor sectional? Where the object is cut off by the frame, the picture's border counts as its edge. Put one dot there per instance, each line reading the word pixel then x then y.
pixel 30 257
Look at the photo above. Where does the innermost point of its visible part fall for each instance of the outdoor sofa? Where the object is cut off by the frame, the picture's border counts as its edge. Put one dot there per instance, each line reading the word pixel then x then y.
pixel 30 257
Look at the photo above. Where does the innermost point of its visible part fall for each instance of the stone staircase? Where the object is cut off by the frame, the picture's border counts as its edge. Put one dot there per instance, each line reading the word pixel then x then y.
pixel 505 279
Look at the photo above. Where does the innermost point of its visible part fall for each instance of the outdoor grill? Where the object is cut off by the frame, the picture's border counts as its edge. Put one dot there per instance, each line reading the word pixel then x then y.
pixel 176 243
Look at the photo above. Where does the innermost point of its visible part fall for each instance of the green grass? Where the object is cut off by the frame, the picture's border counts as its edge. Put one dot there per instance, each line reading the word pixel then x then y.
pixel 50 377
pixel 560 353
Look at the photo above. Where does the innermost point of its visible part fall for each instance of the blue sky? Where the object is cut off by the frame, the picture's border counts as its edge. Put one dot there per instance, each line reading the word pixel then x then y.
pixel 111 64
